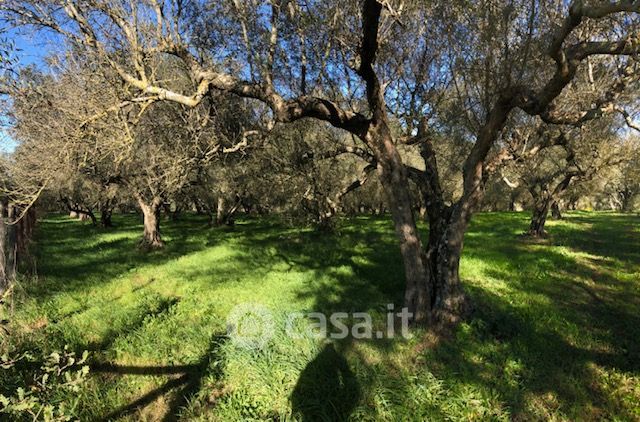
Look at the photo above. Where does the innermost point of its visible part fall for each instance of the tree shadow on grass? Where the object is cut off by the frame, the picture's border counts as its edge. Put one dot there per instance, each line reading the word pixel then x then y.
pixel 56 337
pixel 550 349
pixel 529 364
pixel 184 380
pixel 108 258
pixel 563 321
pixel 584 291
pixel 507 346
pixel 357 269
pixel 74 256
pixel 610 235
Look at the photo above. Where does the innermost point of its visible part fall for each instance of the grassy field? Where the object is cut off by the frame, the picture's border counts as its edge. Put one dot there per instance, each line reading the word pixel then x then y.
pixel 554 333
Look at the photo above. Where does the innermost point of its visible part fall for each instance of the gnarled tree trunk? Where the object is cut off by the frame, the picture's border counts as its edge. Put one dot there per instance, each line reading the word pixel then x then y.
pixel 220 211
pixel 444 248
pixel 105 218
pixel 5 273
pixel 8 246
pixel 151 238
pixel 224 216
pixel 626 197
pixel 105 214
pixel 394 180
pixel 543 198
pixel 78 211
pixel 539 217
pixel 433 292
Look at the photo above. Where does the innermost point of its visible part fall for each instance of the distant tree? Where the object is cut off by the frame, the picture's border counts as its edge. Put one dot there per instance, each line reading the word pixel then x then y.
pixel 148 151
pixel 309 171
pixel 622 184
pixel 570 157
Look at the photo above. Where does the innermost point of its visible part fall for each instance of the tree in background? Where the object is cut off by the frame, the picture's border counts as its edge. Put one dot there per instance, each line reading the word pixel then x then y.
pixel 148 151
pixel 582 157
pixel 622 183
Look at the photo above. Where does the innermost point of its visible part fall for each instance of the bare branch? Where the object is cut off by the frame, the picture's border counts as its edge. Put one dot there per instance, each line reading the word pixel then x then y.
pixel 627 118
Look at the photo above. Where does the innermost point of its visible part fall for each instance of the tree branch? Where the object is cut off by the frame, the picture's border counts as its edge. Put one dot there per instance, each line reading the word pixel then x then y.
pixel 371 10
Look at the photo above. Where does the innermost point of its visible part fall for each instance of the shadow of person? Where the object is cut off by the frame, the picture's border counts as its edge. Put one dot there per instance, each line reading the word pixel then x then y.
pixel 327 389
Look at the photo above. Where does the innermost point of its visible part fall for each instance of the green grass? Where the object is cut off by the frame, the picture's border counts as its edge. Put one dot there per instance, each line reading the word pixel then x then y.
pixel 554 332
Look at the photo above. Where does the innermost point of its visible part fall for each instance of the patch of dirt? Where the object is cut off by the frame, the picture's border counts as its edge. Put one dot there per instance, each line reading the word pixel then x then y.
pixel 38 324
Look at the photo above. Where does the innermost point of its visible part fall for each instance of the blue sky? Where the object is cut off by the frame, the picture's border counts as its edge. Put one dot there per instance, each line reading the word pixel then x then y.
pixel 29 52
pixel 32 50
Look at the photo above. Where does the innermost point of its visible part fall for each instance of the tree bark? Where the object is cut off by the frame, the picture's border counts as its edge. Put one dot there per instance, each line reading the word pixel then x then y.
pixel 626 201
pixel 80 211
pixel 433 292
pixel 539 217
pixel 105 215
pixel 223 216
pixel 175 215
pixel 151 238
pixel 105 219
pixel 543 198
pixel 88 215
pixel 444 248
pixel 5 279
pixel 9 247
pixel 92 216
pixel 220 211
pixel 447 225
pixel 555 210
pixel 394 180
pixel 200 209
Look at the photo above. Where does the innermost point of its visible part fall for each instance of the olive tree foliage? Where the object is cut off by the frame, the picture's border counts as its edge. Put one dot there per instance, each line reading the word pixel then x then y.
pixel 566 157
pixel 309 172
pixel 613 187
pixel 35 123
pixel 56 155
pixel 89 154
pixel 306 173
pixel 7 59
pixel 575 146
pixel 435 68
pixel 621 185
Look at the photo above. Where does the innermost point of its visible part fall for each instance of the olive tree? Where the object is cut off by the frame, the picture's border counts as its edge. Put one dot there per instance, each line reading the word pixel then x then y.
pixel 85 154
pixel 577 156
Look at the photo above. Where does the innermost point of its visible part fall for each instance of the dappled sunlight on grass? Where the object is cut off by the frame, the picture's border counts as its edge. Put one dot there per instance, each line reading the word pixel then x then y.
pixel 552 335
